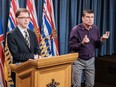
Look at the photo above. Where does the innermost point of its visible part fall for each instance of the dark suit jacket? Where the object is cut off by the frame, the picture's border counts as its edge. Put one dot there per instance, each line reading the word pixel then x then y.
pixel 18 47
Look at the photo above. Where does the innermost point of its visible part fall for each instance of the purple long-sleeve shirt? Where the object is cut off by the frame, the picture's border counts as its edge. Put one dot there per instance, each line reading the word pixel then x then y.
pixel 77 34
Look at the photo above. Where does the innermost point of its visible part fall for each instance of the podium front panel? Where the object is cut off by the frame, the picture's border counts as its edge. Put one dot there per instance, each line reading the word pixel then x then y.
pixel 58 75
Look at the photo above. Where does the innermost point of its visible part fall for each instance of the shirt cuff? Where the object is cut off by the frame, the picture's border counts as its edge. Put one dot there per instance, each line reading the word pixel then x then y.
pixel 36 56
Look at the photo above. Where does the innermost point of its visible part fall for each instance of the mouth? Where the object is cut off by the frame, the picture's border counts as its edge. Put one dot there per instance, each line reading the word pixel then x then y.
pixel 90 22
pixel 26 23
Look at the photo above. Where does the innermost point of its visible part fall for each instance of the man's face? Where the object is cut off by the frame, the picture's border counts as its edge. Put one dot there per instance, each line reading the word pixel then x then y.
pixel 23 20
pixel 88 19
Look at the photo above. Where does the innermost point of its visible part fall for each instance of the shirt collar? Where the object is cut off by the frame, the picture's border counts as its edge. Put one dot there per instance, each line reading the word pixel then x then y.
pixel 85 28
pixel 22 30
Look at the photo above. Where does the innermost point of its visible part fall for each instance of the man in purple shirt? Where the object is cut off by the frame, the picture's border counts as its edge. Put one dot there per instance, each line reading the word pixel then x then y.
pixel 84 39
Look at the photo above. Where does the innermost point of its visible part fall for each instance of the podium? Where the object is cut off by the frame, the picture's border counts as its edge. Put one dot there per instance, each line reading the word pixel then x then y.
pixel 46 72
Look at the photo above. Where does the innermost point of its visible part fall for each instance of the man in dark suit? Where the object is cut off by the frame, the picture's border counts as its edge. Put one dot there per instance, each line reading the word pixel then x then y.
pixel 23 46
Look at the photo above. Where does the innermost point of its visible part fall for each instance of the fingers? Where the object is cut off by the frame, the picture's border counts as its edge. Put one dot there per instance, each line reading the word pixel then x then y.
pixel 105 36
pixel 107 33
pixel 85 36
pixel 85 40
pixel 30 59
pixel 40 57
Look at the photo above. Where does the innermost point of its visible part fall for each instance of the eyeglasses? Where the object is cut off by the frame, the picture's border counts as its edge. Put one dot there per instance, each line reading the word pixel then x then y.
pixel 24 17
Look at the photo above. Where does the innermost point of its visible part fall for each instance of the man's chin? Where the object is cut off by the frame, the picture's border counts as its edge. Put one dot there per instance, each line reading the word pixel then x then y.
pixel 90 24
pixel 25 26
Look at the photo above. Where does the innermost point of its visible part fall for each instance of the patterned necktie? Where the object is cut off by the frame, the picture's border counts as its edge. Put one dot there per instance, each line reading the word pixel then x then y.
pixel 27 39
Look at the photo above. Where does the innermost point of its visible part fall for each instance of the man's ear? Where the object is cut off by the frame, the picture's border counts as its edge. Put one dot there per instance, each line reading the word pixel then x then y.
pixel 16 20
pixel 82 18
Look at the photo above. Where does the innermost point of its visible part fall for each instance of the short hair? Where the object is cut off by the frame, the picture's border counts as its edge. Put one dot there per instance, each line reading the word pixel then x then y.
pixel 21 10
pixel 87 11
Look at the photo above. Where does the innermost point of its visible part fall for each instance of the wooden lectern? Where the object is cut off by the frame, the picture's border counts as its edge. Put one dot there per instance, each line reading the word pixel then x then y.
pixel 47 72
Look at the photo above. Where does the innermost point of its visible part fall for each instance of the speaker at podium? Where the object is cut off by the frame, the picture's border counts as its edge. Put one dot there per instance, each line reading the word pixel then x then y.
pixel 47 72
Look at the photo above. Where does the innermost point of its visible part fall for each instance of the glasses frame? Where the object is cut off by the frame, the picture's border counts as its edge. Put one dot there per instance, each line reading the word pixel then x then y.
pixel 23 17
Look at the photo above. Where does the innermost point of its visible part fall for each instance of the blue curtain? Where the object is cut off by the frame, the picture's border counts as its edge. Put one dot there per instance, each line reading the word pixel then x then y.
pixel 68 14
